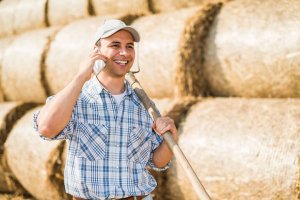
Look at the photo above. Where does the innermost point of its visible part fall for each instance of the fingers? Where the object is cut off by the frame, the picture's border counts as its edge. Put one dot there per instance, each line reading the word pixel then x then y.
pixel 96 55
pixel 163 124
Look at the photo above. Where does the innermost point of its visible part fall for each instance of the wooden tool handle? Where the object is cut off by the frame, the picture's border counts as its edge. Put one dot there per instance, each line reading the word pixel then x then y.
pixel 180 157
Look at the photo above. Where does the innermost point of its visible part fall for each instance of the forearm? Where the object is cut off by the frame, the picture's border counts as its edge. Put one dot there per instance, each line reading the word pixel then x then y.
pixel 56 114
pixel 162 155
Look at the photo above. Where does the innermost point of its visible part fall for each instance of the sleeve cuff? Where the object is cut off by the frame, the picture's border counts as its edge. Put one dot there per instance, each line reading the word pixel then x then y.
pixel 155 168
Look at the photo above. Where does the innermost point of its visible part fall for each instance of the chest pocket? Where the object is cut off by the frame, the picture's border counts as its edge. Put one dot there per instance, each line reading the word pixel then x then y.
pixel 92 139
pixel 139 145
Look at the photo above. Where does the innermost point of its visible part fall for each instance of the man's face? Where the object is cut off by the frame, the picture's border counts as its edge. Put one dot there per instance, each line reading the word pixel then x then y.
pixel 119 49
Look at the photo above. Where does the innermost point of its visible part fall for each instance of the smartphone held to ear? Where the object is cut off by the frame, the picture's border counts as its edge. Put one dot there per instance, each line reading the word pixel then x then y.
pixel 98 66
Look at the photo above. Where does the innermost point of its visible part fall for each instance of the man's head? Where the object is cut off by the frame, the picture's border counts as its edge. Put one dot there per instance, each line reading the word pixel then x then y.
pixel 115 41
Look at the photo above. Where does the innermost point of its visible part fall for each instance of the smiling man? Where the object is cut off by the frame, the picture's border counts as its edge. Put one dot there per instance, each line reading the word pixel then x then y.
pixel 111 137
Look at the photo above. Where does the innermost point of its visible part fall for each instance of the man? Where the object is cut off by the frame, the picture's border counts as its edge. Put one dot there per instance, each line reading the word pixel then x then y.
pixel 110 135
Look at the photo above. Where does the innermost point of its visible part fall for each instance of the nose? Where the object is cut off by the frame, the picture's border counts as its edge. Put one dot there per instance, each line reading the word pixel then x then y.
pixel 123 51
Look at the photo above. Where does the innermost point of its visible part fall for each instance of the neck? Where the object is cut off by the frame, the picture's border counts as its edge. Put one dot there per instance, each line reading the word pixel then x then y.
pixel 115 85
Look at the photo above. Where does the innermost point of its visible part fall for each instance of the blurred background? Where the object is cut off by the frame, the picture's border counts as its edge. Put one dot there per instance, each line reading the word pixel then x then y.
pixel 228 72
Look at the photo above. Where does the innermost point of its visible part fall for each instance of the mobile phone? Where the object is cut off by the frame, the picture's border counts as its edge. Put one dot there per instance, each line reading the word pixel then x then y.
pixel 98 66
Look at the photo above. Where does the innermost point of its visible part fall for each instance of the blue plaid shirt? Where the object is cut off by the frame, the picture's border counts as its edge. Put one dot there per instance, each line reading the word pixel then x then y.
pixel 109 146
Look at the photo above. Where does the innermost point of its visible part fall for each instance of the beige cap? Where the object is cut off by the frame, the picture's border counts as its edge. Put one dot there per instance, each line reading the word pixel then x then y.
pixel 112 26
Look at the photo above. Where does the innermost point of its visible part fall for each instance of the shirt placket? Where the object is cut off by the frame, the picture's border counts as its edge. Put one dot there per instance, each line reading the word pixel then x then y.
pixel 115 145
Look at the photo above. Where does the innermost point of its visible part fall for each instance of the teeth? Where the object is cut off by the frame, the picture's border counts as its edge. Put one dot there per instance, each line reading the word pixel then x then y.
pixel 123 62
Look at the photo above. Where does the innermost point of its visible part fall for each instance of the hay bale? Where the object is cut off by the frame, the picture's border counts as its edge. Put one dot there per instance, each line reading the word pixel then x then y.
pixel 35 162
pixel 63 12
pixel 9 114
pixel 241 149
pixel 252 50
pixel 23 66
pixel 170 56
pixel 29 14
pixel 108 7
pixel 71 45
pixel 4 43
pixel 17 16
pixel 7 12
pixel 171 5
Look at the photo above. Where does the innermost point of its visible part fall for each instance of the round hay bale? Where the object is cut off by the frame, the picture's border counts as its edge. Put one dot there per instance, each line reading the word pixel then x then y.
pixel 171 5
pixel 7 13
pixel 9 114
pixel 241 149
pixel 109 7
pixel 29 14
pixel 63 12
pixel 35 162
pixel 71 45
pixel 170 56
pixel 253 50
pixel 23 67
pixel 4 43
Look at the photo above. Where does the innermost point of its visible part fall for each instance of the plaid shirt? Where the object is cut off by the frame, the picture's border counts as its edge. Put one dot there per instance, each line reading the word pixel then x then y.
pixel 109 146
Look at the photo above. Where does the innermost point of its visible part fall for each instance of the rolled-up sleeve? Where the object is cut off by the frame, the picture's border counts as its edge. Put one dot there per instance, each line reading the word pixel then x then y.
pixel 64 134
pixel 156 141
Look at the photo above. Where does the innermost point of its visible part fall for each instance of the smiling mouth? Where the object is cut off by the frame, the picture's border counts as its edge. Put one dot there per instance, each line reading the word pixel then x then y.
pixel 122 62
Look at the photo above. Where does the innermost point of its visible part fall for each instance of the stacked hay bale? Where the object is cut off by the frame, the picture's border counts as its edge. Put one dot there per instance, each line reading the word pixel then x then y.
pixel 9 113
pixel 175 56
pixel 241 149
pixel 64 12
pixel 23 66
pixel 246 148
pixel 261 61
pixel 4 43
pixel 40 172
pixel 133 7
pixel 17 16
pixel 169 56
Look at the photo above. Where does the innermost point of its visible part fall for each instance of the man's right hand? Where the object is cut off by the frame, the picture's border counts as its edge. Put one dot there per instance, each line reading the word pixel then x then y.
pixel 86 66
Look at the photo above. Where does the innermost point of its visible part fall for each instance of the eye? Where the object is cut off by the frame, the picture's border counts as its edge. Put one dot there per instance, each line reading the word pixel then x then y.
pixel 130 47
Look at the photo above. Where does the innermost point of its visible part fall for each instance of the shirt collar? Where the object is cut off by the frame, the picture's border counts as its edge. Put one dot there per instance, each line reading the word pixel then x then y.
pixel 95 87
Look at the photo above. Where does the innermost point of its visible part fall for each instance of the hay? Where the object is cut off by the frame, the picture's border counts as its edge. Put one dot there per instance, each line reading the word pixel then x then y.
pixel 241 149
pixel 29 14
pixel 63 12
pixel 158 6
pixel 7 11
pixel 9 114
pixel 168 51
pixel 71 45
pixel 35 162
pixel 109 7
pixel 4 43
pixel 22 67
pixel 253 51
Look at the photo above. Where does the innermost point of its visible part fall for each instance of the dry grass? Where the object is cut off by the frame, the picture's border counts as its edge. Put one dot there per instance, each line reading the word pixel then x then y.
pixel 258 62
pixel 9 114
pixel 63 12
pixel 133 7
pixel 22 66
pixel 241 149
pixel 36 163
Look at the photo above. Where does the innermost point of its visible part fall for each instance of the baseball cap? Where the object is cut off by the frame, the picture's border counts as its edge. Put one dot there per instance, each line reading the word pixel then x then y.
pixel 112 26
